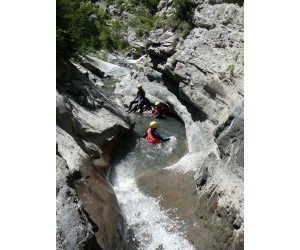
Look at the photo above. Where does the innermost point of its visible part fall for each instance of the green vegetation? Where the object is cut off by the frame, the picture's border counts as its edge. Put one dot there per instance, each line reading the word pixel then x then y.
pixel 131 5
pixel 185 33
pixel 142 12
pixel 82 27
pixel 101 55
pixel 179 21
pixel 143 24
pixel 67 32
pixel 150 5
pixel 183 9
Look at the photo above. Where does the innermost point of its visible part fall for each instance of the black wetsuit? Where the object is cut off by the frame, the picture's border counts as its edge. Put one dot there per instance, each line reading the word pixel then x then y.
pixel 140 96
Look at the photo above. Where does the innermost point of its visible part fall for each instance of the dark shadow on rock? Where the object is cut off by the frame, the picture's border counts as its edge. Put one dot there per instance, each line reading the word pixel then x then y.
pixel 173 87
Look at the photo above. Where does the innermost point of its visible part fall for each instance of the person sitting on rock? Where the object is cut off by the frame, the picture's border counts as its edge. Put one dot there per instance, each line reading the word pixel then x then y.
pixel 145 105
pixel 152 135
pixel 158 112
pixel 139 99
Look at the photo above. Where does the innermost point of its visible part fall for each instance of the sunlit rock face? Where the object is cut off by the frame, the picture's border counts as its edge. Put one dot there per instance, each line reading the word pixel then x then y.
pixel 200 79
pixel 88 127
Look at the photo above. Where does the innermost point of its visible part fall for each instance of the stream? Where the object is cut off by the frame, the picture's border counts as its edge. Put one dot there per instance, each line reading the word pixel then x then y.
pixel 148 225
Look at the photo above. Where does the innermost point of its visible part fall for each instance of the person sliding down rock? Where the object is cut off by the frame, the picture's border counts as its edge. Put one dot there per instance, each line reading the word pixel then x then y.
pixel 152 135
pixel 158 111
pixel 139 99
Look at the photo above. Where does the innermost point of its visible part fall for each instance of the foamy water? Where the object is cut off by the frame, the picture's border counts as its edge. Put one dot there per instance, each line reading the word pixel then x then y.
pixel 150 224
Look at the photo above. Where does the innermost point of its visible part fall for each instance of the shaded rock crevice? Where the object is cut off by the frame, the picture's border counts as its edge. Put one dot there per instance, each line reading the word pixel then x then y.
pixel 173 87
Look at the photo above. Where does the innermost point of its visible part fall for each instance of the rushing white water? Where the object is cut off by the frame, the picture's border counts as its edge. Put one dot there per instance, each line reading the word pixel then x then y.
pixel 150 224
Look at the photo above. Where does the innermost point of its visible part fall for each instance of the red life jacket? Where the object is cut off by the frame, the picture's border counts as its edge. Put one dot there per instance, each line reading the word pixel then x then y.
pixel 155 111
pixel 151 138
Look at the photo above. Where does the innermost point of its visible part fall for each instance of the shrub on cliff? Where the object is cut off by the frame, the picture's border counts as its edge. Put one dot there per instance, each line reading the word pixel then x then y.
pixel 82 27
pixel 183 9
pixel 151 5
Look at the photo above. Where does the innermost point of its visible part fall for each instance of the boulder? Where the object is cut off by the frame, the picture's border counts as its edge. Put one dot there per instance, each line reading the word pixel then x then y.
pixel 107 69
pixel 162 43
pixel 73 229
pixel 70 151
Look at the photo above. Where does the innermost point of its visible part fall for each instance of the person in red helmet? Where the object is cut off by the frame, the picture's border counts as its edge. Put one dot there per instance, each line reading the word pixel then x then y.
pixel 152 135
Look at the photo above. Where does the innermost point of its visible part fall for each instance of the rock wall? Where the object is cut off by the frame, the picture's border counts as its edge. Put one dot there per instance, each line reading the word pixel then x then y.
pixel 88 127
pixel 73 229
pixel 200 79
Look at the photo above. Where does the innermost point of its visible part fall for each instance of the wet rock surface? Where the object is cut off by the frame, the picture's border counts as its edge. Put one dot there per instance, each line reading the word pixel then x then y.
pixel 200 81
pixel 221 174
pixel 88 214
pixel 209 68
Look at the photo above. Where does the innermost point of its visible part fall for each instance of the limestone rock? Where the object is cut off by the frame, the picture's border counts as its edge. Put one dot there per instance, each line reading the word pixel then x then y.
pixel 86 133
pixel 239 2
pixel 208 64
pixel 221 202
pixel 73 230
pixel 88 65
pixel 162 43
pixel 106 68
pixel 70 151
pixel 209 16
pixel 153 75
pixel 201 80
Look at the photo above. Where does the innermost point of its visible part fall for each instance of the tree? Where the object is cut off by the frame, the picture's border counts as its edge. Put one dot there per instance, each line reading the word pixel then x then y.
pixel 67 31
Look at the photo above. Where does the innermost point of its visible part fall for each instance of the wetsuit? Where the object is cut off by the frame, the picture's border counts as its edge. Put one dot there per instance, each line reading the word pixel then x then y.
pixel 155 135
pixel 147 104
pixel 140 96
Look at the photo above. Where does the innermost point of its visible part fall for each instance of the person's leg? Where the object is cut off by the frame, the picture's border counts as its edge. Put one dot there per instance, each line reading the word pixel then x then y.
pixel 141 106
pixel 134 109
pixel 130 105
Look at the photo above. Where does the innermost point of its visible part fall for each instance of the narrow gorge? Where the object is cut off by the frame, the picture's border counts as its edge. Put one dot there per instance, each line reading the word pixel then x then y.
pixel 115 190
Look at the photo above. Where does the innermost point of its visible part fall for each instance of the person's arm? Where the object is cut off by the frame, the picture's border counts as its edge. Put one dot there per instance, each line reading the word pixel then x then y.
pixel 143 94
pixel 137 96
pixel 158 136
pixel 145 135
